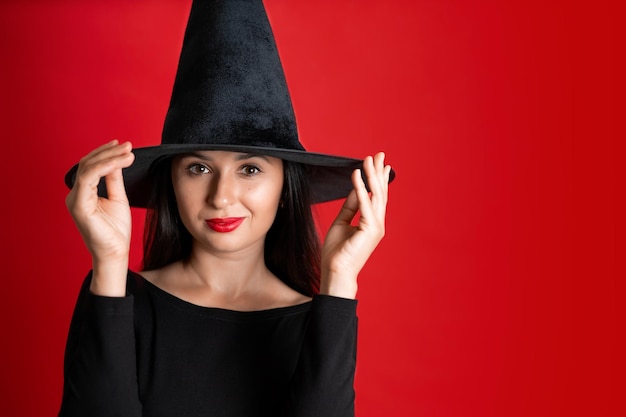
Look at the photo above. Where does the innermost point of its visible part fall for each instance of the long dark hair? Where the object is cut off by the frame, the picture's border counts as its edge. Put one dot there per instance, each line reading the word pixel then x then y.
pixel 292 245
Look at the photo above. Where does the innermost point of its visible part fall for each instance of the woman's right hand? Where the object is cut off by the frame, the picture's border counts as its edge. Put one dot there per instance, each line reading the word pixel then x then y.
pixel 104 223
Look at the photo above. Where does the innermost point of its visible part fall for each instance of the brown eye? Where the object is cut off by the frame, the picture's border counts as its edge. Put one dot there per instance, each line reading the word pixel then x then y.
pixel 198 169
pixel 250 170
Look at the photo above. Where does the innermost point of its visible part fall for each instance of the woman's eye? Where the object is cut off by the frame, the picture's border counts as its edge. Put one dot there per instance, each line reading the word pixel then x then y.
pixel 250 170
pixel 198 169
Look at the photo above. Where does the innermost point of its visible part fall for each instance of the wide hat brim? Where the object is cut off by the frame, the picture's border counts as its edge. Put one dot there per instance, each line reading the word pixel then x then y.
pixel 329 176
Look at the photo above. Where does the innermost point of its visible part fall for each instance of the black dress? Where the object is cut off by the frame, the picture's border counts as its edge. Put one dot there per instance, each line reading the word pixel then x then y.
pixel 153 354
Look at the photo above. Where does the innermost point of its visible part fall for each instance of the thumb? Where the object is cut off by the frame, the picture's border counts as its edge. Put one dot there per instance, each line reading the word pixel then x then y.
pixel 348 210
pixel 115 182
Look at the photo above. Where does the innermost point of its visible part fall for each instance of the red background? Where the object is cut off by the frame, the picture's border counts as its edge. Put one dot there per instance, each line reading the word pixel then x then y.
pixel 496 290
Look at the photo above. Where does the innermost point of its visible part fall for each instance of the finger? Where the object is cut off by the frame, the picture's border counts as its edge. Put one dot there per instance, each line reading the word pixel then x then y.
pixel 115 183
pixel 100 157
pixel 100 149
pixel 86 186
pixel 383 171
pixel 363 197
pixel 103 153
pixel 373 213
pixel 387 174
pixel 379 162
pixel 374 172
pixel 374 168
pixel 89 174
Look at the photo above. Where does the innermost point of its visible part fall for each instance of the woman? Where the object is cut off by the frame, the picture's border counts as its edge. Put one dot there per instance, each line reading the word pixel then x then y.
pixel 227 203
pixel 237 312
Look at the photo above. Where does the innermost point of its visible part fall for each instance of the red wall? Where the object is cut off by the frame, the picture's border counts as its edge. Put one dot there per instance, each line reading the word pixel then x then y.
pixel 495 292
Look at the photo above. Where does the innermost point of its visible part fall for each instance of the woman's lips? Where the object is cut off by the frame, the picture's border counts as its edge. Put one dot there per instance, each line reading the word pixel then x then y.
pixel 225 225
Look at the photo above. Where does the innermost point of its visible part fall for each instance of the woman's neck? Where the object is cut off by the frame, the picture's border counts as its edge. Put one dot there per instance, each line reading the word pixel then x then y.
pixel 230 274
pixel 232 281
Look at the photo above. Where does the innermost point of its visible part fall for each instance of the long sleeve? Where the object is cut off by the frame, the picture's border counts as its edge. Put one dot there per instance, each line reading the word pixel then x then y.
pixel 323 384
pixel 100 373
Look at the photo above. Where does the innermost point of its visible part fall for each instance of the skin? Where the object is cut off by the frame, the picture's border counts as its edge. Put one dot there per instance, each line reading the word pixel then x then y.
pixel 224 270
pixel 216 184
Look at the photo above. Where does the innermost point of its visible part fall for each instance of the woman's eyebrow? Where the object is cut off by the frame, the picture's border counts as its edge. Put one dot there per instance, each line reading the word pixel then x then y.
pixel 244 156
pixel 240 157
pixel 196 155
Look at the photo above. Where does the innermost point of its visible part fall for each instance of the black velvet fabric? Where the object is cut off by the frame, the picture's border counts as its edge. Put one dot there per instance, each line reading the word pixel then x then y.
pixel 230 87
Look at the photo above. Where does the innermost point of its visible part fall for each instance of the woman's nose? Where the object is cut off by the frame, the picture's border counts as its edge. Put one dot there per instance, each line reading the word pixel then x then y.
pixel 222 191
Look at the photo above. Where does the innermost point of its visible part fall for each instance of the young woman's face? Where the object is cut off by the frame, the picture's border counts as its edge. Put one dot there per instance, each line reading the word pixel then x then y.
pixel 227 200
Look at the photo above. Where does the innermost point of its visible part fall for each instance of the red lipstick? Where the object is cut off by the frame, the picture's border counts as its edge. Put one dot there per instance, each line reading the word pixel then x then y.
pixel 225 225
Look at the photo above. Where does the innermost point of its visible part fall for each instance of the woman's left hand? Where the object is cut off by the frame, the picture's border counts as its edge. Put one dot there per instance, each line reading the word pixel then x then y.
pixel 347 247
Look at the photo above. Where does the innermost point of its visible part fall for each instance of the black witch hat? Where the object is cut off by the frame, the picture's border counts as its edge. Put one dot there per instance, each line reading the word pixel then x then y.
pixel 230 94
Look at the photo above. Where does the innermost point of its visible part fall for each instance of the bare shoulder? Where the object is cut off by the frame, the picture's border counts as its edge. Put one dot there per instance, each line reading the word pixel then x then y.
pixel 149 275
pixel 281 295
pixel 160 276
